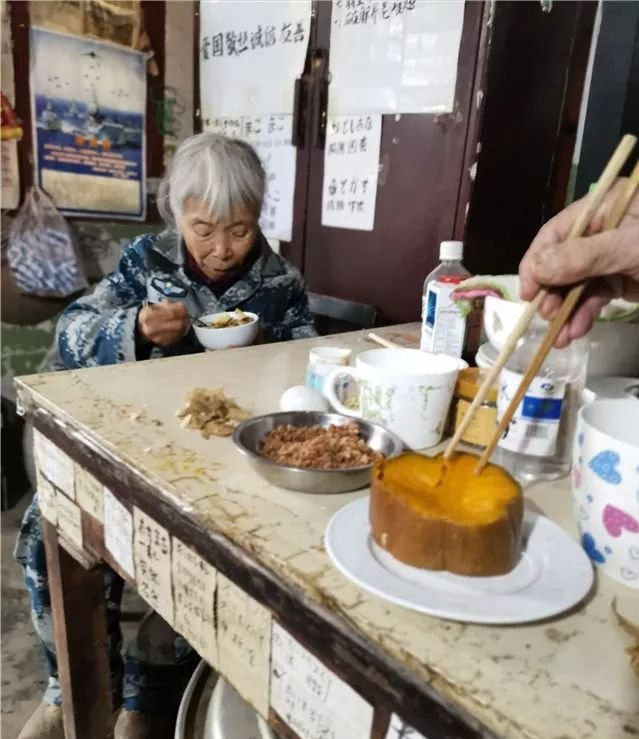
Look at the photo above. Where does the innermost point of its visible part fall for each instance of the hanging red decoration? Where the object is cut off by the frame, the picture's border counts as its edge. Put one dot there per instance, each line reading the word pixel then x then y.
pixel 10 125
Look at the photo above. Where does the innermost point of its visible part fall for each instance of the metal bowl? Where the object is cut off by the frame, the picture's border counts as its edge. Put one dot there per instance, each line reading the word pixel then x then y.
pixel 248 436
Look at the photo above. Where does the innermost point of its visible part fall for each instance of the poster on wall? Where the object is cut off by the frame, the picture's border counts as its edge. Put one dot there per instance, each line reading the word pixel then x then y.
pixel 8 147
pixel 250 55
pixel 394 57
pixel 351 169
pixel 270 136
pixel 88 102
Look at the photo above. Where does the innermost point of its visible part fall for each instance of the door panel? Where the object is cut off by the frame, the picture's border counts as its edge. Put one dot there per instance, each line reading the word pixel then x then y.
pixel 422 162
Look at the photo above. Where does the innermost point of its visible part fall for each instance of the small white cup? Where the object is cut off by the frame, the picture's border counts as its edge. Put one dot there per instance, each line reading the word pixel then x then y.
pixel 605 483
pixel 406 390
pixel 322 360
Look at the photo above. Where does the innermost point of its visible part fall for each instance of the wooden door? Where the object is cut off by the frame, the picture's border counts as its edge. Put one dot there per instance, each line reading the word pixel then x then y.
pixel 422 159
pixel 514 56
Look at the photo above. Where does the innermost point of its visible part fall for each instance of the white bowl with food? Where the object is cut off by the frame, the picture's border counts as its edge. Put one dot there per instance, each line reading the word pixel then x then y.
pixel 614 342
pixel 227 329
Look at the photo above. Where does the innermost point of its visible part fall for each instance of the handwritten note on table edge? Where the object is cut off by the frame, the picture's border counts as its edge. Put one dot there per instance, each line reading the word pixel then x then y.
pixel 244 643
pixel 311 699
pixel 54 464
pixel 152 562
pixel 118 532
pixel 69 520
pixel 194 583
pixel 46 499
pixel 89 493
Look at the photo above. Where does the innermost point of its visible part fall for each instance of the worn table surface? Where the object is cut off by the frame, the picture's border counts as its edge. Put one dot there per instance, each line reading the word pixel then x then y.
pixel 565 678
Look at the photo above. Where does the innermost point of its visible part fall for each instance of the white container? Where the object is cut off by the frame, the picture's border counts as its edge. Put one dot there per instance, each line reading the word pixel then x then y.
pixel 406 390
pixel 229 716
pixel 486 356
pixel 322 360
pixel 231 336
pixel 614 345
pixel 212 709
pixel 605 484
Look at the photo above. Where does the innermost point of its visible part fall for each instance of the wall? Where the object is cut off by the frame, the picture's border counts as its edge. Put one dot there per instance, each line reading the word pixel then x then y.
pixel 28 324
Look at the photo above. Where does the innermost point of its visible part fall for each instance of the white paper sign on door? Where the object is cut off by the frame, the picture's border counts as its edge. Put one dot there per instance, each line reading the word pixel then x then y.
pixel 250 55
pixel 394 57
pixel 270 135
pixel 351 168
pixel 313 701
pixel 152 557
pixel 118 532
pixel 399 729
pixel 194 594
pixel 54 464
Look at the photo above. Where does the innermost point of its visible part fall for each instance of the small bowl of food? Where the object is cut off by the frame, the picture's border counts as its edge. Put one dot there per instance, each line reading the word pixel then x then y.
pixel 314 452
pixel 227 329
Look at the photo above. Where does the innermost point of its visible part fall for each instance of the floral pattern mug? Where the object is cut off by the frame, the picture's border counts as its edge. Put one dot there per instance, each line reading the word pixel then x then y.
pixel 406 390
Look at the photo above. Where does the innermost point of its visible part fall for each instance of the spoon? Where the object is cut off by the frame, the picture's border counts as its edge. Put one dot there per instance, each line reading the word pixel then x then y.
pixel 199 323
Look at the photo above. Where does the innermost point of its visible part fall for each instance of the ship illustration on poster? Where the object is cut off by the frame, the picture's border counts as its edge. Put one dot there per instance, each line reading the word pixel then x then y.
pixel 89 101
pixel 88 125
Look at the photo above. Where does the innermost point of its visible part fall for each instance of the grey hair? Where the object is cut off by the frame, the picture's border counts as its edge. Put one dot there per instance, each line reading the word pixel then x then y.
pixel 225 174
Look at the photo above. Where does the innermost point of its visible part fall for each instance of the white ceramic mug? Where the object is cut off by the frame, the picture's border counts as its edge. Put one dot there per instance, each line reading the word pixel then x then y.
pixel 605 483
pixel 406 390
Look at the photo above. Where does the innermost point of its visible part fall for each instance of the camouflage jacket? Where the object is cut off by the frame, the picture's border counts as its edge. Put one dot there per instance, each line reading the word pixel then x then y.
pixel 101 328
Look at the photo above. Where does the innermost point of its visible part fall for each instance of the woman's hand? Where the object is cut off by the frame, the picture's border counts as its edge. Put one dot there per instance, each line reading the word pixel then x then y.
pixel 608 259
pixel 163 324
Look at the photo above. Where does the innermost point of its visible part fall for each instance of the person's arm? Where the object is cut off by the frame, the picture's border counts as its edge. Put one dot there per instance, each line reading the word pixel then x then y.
pixel 609 259
pixel 112 324
pixel 101 328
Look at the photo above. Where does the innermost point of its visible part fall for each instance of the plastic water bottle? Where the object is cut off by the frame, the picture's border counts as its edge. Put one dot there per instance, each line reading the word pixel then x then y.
pixel 538 442
pixel 443 326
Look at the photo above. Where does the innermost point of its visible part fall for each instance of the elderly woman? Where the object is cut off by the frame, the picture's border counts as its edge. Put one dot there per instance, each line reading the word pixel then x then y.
pixel 212 257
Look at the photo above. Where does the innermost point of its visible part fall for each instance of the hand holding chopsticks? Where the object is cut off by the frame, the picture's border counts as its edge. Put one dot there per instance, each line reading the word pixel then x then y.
pixel 592 203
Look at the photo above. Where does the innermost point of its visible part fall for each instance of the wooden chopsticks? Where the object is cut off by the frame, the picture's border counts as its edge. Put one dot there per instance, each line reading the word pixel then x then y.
pixel 382 341
pixel 592 203
pixel 564 313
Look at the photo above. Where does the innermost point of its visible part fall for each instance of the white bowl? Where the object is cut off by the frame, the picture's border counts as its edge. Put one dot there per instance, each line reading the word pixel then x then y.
pixel 614 345
pixel 231 336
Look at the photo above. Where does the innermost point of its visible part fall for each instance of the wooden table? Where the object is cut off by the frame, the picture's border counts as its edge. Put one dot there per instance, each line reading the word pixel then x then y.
pixel 188 524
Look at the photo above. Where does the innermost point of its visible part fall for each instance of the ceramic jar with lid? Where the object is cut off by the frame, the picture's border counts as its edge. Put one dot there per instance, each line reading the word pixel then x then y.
pixel 482 426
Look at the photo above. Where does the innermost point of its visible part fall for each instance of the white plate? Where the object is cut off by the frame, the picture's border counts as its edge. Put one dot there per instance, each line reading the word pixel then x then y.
pixel 553 574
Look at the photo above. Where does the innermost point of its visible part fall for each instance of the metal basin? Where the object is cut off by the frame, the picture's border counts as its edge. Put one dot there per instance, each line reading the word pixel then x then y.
pixel 248 436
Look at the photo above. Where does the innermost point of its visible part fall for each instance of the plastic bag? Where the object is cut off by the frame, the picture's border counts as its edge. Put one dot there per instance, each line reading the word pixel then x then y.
pixel 41 254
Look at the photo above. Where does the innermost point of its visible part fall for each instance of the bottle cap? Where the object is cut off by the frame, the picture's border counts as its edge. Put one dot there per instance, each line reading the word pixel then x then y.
pixel 451 250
